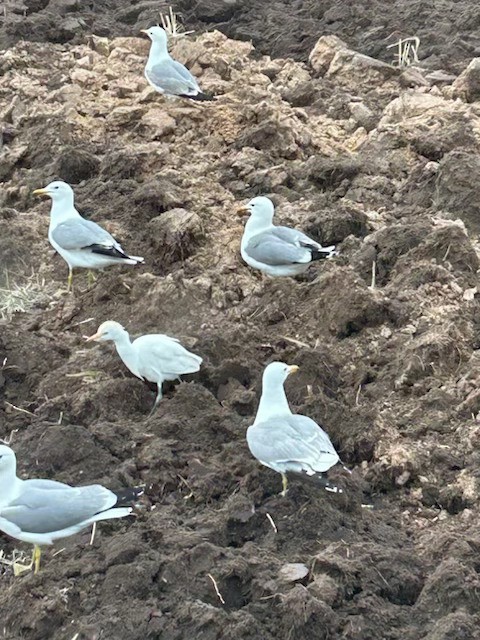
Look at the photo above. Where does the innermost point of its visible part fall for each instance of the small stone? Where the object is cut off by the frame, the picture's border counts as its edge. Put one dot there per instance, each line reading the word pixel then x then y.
pixel 324 51
pixel 469 294
pixel 83 77
pixel 99 44
pixel 362 115
pixel 293 572
pixel 467 85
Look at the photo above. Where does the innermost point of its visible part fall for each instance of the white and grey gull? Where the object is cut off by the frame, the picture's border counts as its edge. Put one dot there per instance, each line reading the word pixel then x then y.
pixel 81 243
pixel 166 75
pixel 42 511
pixel 277 251
pixel 154 357
pixel 287 442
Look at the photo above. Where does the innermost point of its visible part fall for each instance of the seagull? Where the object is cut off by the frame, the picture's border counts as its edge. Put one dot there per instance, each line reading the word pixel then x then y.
pixel 277 251
pixel 81 243
pixel 153 357
pixel 166 75
pixel 42 511
pixel 287 442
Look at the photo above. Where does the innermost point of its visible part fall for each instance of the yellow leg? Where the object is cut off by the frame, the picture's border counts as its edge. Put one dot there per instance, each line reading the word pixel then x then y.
pixel 284 485
pixel 37 552
pixel 69 280
pixel 91 279
pixel 20 567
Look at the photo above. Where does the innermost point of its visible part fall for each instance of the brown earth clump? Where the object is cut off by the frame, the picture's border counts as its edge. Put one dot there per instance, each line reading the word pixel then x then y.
pixel 386 336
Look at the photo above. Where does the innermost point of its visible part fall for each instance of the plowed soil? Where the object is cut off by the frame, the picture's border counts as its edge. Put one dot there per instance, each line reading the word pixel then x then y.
pixel 381 161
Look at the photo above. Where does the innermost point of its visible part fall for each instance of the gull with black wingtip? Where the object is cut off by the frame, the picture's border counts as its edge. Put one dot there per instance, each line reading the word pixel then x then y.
pixel 42 511
pixel 81 243
pixel 287 442
pixel 166 75
pixel 277 251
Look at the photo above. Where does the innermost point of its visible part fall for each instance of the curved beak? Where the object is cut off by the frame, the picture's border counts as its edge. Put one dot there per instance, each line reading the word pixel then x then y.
pixel 40 192
pixel 95 337
pixel 243 210
pixel 293 369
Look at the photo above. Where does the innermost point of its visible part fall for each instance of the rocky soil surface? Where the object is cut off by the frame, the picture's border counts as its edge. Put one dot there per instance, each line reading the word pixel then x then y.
pixel 383 162
pixel 448 29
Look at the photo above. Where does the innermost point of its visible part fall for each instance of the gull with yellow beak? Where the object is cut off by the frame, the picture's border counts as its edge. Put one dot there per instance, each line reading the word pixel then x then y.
pixel 166 75
pixel 277 251
pixel 155 357
pixel 81 243
pixel 287 442
pixel 42 511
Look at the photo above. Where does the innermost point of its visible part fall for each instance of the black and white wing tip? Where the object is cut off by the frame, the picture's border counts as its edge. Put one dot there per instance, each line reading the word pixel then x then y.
pixel 114 252
pixel 320 480
pixel 325 253
pixel 200 97
pixel 129 496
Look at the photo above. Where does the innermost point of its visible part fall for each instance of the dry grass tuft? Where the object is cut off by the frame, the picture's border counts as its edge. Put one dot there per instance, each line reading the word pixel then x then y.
pixel 172 26
pixel 21 298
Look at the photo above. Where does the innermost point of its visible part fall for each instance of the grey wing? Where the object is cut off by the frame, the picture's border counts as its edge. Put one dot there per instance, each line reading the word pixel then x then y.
pixel 172 78
pixel 273 249
pixel 292 443
pixel 45 510
pixel 296 237
pixel 78 233
pixel 185 73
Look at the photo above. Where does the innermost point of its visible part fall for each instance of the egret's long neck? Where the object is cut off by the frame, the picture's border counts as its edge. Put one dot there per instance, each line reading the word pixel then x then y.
pixel 158 53
pixel 255 225
pixel 126 351
pixel 62 209
pixel 10 483
pixel 272 403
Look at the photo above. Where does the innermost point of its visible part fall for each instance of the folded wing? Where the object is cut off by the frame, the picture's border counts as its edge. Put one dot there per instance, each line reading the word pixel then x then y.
pixel 172 78
pixel 78 234
pixel 292 443
pixel 44 510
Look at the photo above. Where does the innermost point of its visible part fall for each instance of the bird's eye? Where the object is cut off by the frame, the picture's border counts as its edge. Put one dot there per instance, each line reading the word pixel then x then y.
pixel 55 187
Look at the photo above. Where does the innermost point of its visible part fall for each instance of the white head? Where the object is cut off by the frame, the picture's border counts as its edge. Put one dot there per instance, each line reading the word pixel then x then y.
pixel 109 330
pixel 277 372
pixel 157 35
pixel 58 191
pixel 260 208
pixel 8 461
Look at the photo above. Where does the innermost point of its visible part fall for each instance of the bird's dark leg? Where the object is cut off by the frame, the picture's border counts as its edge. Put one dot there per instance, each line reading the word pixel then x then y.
pixel 157 400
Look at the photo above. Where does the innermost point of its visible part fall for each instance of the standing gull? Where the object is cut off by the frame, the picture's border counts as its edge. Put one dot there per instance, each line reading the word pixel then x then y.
pixel 166 75
pixel 42 511
pixel 81 243
pixel 285 442
pixel 154 357
pixel 277 251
